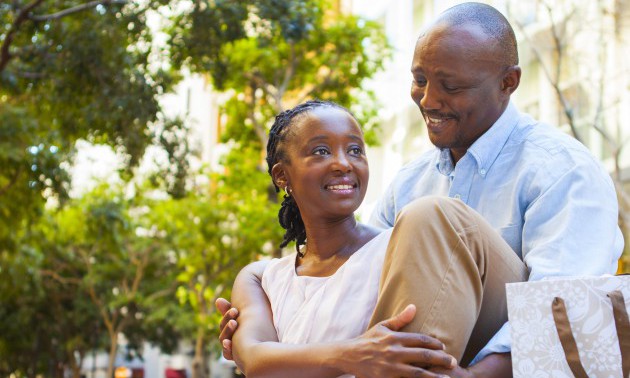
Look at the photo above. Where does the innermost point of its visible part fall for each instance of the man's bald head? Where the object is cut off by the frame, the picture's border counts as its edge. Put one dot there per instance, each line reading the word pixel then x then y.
pixel 491 21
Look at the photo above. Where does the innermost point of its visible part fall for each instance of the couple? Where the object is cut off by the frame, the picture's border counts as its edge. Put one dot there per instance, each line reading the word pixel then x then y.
pixel 546 208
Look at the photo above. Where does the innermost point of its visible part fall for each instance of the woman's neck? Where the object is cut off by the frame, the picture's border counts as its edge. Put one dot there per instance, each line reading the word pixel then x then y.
pixel 329 246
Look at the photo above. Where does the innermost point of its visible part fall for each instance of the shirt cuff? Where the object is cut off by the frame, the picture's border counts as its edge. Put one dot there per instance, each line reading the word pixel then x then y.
pixel 499 343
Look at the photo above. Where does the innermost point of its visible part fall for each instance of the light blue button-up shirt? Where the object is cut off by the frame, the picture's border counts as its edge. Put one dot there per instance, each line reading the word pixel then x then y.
pixel 541 189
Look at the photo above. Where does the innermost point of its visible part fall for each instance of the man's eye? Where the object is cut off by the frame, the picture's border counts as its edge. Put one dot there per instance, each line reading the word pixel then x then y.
pixel 320 151
pixel 420 82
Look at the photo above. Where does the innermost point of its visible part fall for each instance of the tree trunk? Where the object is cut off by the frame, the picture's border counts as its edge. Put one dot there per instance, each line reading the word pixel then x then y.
pixel 75 366
pixel 113 349
pixel 200 361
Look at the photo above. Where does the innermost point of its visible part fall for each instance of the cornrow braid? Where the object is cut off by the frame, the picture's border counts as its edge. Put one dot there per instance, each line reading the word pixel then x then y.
pixel 289 214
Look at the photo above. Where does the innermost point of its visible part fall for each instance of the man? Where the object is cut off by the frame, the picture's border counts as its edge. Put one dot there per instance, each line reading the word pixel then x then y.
pixel 541 190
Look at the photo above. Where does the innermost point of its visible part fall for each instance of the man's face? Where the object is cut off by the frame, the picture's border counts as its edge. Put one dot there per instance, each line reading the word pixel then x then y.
pixel 459 84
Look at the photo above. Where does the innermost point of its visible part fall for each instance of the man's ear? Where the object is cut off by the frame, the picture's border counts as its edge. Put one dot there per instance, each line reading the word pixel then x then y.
pixel 511 80
pixel 279 176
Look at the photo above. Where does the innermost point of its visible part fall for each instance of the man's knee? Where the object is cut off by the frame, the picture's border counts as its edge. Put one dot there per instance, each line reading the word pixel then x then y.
pixel 428 208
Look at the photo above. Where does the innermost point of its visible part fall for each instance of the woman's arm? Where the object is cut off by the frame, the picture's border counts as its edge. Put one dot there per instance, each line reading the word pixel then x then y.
pixel 380 352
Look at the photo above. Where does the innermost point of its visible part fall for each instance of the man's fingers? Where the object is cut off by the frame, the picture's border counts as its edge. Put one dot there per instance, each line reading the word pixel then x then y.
pixel 226 345
pixel 398 321
pixel 424 358
pixel 227 326
pixel 435 358
pixel 419 340
pixel 231 314
pixel 417 372
pixel 227 332
pixel 223 305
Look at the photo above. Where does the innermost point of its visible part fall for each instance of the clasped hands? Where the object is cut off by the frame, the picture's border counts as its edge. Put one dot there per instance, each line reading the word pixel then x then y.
pixel 382 351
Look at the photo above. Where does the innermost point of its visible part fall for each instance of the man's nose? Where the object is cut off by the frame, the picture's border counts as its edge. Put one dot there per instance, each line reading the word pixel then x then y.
pixel 430 97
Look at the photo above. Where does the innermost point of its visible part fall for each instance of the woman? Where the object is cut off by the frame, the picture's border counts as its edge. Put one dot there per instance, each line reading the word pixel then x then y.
pixel 319 300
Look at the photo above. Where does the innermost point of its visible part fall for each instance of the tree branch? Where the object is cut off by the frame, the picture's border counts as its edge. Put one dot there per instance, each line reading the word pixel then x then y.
pixel 63 280
pixel 251 114
pixel 553 81
pixel 5 56
pixel 288 75
pixel 308 92
pixel 76 9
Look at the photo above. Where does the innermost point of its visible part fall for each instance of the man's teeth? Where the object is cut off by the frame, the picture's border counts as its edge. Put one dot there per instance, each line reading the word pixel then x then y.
pixel 339 187
pixel 436 120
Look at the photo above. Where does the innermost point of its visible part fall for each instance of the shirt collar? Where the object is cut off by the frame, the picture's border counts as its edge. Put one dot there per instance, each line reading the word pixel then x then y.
pixel 486 149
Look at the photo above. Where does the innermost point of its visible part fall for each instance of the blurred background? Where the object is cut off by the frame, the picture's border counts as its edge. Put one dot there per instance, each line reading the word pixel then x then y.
pixel 132 134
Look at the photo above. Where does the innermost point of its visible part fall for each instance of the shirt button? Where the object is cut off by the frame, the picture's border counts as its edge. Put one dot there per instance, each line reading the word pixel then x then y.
pixel 482 172
pixel 457 196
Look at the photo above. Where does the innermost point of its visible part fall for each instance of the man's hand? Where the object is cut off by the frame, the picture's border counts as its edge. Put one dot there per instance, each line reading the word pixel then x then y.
pixel 228 326
pixel 495 365
pixel 457 372
pixel 382 351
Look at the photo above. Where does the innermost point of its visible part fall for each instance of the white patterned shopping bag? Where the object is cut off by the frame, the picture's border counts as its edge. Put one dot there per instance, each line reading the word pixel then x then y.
pixel 566 327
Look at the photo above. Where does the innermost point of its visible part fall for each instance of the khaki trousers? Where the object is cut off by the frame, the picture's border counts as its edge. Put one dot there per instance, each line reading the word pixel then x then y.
pixel 448 261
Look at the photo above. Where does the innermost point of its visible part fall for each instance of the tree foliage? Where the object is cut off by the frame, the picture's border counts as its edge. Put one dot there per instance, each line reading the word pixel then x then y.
pixel 72 70
pixel 69 70
pixel 91 266
pixel 269 55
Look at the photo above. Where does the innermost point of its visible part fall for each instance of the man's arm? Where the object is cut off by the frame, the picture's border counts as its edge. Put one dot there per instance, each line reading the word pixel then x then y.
pixel 380 352
pixel 570 228
pixel 384 213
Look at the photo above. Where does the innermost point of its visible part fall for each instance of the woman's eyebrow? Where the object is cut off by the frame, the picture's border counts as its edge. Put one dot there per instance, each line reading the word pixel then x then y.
pixel 317 138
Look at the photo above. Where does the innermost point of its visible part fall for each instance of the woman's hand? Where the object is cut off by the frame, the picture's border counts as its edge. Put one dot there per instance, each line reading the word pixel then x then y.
pixel 384 352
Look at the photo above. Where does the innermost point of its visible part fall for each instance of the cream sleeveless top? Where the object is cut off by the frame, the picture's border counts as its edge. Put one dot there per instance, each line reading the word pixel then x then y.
pixel 320 309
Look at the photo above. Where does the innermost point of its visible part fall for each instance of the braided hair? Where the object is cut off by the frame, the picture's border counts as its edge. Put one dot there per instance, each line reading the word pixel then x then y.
pixel 289 214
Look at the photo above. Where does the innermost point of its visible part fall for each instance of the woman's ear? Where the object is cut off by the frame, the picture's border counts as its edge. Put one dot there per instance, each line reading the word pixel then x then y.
pixel 279 176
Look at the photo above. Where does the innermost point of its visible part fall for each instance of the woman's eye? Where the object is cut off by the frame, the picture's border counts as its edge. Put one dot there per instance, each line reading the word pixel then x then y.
pixel 320 151
pixel 356 151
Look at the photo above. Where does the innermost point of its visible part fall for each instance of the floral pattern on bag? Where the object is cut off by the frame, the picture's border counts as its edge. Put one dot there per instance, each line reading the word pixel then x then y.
pixel 536 348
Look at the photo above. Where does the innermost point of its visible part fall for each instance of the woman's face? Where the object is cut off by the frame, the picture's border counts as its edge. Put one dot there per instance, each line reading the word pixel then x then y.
pixel 326 166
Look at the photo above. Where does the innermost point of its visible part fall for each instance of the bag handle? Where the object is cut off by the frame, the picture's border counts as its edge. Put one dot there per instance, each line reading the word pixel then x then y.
pixel 560 317
pixel 569 345
pixel 622 323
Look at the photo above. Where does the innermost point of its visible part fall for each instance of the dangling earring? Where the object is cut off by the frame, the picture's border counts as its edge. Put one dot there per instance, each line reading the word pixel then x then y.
pixel 288 190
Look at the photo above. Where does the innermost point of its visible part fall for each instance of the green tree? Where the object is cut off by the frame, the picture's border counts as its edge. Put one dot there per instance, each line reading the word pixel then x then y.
pixel 69 69
pixel 214 231
pixel 269 55
pixel 97 267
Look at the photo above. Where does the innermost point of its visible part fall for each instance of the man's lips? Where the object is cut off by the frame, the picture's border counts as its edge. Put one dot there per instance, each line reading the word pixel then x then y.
pixel 436 122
